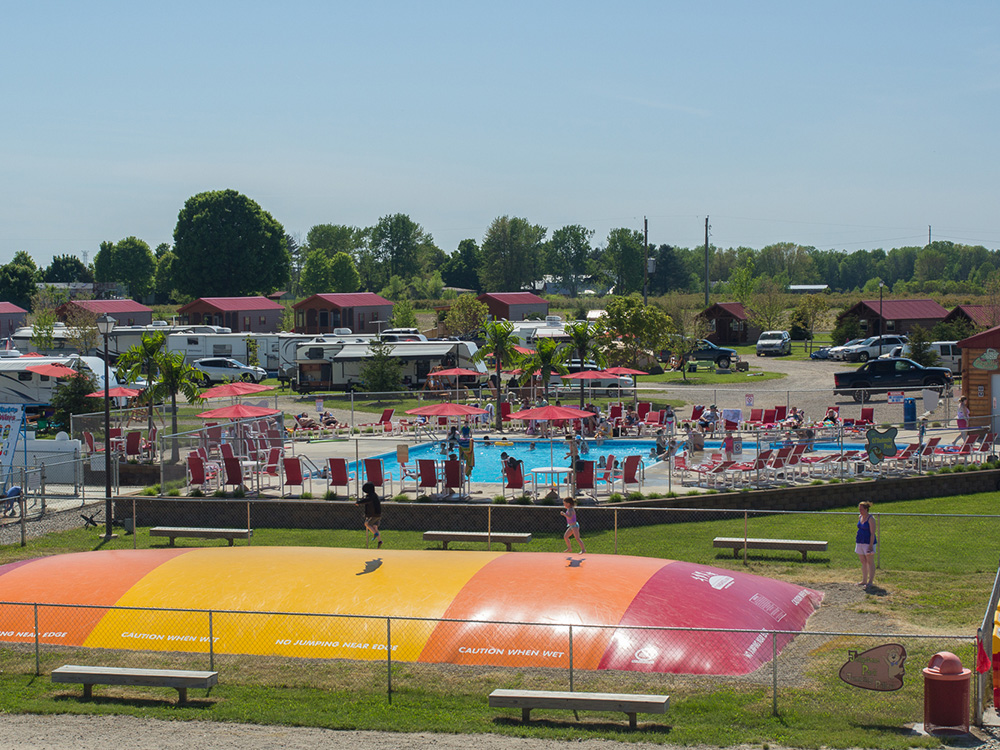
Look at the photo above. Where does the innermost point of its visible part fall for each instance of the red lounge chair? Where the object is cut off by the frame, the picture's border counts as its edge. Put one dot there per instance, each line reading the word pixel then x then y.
pixel 384 422
pixel 291 467
pixel 867 417
pixel 133 444
pixel 197 475
pixel 632 472
pixel 426 477
pixel 88 441
pixel 749 469
pixel 780 412
pixel 696 412
pixel 642 409
pixel 234 472
pixel 769 417
pixel 339 474
pixel 375 473
pixel 756 417
pixel 515 482
pixel 454 477
pixel 271 465
pixel 585 478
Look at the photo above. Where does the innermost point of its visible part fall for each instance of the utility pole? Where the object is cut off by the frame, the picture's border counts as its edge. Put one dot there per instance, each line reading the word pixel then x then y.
pixel 928 234
pixel 645 265
pixel 706 261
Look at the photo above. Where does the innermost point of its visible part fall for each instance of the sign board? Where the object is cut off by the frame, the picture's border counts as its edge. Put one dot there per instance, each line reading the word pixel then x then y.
pixel 981 391
pixel 749 400
pixel 896 397
pixel 881 445
pixel 11 427
pixel 988 360
pixel 319 405
pixel 880 668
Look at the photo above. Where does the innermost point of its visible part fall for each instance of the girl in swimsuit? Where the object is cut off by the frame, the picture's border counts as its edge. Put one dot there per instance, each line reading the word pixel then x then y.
pixel 572 525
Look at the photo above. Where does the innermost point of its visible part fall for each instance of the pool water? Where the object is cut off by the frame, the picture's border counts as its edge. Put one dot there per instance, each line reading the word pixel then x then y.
pixel 487 468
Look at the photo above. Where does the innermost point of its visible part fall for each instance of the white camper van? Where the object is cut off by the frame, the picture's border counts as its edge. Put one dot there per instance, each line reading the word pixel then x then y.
pixel 19 385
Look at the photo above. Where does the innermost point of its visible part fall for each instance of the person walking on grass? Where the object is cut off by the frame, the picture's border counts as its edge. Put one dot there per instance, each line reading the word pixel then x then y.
pixel 864 543
pixel 572 526
pixel 373 510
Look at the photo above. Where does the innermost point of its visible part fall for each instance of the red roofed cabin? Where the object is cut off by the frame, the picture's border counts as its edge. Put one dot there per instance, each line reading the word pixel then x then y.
pixel 981 379
pixel 126 312
pixel 975 317
pixel 729 323
pixel 240 314
pixel 12 317
pixel 514 305
pixel 362 312
pixel 900 315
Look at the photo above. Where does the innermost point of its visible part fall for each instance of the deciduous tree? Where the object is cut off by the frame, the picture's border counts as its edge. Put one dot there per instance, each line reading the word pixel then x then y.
pixel 467 316
pixel 510 254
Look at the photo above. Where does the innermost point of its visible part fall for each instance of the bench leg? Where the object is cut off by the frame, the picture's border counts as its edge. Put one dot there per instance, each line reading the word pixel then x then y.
pixel 444 544
pixel 525 714
pixel 631 720
pixel 231 542
pixel 88 691
pixel 172 540
pixel 509 546
pixel 182 695
pixel 803 555
pixel 736 551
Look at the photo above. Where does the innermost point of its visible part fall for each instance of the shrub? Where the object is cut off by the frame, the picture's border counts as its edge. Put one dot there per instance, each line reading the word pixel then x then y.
pixel 636 495
pixel 303 496
pixel 401 498
pixel 499 500
pixel 423 498
pixel 239 492
pixel 174 493
pixel 616 497
pixel 196 492
pixel 523 500
pixel 549 500
pixel 330 495
pixel 148 491
pixel 219 493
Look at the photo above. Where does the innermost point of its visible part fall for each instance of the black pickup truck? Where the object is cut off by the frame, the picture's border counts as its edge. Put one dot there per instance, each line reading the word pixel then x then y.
pixel 896 374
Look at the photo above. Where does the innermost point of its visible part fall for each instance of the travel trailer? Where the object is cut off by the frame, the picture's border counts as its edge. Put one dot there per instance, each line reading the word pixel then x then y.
pixel 121 339
pixel 323 366
pixel 19 385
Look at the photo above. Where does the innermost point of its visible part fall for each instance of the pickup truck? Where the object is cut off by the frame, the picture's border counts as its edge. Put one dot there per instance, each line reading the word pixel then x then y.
pixel 881 375
pixel 706 351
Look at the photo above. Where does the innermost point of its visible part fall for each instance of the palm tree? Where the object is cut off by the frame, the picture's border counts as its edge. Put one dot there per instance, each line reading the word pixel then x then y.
pixel 499 342
pixel 140 360
pixel 548 356
pixel 584 340
pixel 175 376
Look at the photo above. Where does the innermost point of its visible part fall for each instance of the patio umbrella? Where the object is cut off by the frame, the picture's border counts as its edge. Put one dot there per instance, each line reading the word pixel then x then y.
pixel 587 375
pixel 116 392
pixel 551 413
pixel 235 389
pixel 455 372
pixel 54 370
pixel 239 411
pixel 523 349
pixel 446 410
pixel 635 381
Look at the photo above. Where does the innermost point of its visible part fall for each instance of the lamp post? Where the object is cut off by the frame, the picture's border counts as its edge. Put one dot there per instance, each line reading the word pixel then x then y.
pixel 106 324
pixel 881 320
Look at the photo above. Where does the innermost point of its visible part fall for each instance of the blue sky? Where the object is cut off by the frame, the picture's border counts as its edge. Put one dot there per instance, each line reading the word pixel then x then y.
pixel 842 125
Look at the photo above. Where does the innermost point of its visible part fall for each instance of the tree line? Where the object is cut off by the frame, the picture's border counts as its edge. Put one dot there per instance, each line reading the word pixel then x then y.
pixel 225 244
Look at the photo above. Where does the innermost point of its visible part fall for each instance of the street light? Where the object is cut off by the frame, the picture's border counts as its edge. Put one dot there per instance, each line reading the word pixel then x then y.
pixel 106 324
pixel 881 320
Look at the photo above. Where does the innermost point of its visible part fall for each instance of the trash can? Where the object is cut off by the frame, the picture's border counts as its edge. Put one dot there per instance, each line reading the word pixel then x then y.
pixel 909 413
pixel 946 695
pixel 692 367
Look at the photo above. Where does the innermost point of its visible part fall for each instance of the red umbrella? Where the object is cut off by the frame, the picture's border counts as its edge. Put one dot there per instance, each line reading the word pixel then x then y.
pixel 547 413
pixel 235 389
pixel 454 371
pixel 523 349
pixel 446 410
pixel 54 370
pixel 116 392
pixel 589 375
pixel 32 354
pixel 239 411
pixel 625 371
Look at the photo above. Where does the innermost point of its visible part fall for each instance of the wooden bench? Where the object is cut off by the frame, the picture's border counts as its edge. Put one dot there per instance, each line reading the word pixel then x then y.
pixel 799 545
pixel 175 531
pixel 476 536
pixel 627 703
pixel 180 679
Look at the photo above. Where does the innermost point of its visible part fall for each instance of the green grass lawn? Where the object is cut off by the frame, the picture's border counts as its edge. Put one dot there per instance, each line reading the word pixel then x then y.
pixel 935 580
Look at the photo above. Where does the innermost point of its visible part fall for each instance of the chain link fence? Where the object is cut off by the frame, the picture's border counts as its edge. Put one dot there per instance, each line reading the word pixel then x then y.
pixel 799 671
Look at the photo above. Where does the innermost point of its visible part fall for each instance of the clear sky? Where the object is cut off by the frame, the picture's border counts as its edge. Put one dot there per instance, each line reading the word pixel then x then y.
pixel 842 125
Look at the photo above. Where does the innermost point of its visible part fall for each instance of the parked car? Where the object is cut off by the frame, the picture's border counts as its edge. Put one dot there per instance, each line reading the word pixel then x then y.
pixel 881 375
pixel 774 342
pixel 948 354
pixel 837 352
pixel 610 385
pixel 706 351
pixel 871 347
pixel 219 369
pixel 822 353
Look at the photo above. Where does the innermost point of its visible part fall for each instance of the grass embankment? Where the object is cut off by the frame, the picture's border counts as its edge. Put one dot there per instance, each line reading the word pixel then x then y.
pixel 932 580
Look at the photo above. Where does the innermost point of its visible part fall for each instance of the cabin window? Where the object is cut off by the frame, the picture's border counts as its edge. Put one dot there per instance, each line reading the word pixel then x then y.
pixel 324 318
pixel 262 320
pixel 300 318
pixel 890 325
pixel 863 324
pixel 246 322
pixel 24 376
pixel 711 324
pixel 192 342
pixel 361 321
pixel 222 350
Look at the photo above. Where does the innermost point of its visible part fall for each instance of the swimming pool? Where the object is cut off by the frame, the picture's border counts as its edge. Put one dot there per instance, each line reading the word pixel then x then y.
pixel 487 468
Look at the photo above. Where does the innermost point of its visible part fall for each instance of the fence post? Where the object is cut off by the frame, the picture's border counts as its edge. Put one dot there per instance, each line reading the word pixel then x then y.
pixel 352 411
pixel 249 527
pixel 41 481
pixel 388 655
pixel 211 643
pixel 489 527
pixel 24 510
pixel 571 657
pixel 616 529
pixel 38 664
pixel 135 536
pixel 774 673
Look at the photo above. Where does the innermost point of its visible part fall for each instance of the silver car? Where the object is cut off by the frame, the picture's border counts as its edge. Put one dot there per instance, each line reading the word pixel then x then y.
pixel 774 342
pixel 220 369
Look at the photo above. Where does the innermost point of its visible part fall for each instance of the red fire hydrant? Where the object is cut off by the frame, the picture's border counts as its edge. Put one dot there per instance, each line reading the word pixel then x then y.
pixel 946 695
